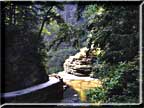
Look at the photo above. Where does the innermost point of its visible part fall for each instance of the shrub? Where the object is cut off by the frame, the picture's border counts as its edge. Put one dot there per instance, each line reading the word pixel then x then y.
pixel 96 95
pixel 120 83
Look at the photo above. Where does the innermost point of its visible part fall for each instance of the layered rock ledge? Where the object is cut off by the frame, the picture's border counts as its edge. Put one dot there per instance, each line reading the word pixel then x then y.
pixel 79 64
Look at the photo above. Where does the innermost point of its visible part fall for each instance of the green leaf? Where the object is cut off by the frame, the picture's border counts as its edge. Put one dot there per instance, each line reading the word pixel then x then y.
pixel 45 30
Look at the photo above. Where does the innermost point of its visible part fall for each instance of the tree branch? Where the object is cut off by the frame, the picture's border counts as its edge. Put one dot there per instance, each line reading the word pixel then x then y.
pixel 44 21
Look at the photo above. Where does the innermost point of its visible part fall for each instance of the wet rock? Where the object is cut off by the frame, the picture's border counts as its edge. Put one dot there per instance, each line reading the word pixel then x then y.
pixel 79 64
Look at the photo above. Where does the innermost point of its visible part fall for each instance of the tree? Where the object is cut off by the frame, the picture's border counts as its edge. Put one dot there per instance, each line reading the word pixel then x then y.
pixel 114 28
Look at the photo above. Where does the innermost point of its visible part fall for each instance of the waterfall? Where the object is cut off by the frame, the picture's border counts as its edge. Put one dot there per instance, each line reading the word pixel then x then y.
pixel 69 14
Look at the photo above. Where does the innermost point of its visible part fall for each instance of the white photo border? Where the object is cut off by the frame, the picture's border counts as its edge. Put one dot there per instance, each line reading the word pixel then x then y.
pixel 96 104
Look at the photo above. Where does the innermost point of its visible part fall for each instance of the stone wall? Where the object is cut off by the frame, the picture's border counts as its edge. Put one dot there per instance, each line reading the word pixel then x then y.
pixel 50 93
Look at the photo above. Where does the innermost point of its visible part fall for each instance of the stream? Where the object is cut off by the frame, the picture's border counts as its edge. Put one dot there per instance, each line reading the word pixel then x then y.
pixel 76 86
pixel 70 96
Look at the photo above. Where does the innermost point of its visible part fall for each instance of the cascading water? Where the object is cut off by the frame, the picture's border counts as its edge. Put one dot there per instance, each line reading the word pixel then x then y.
pixel 69 14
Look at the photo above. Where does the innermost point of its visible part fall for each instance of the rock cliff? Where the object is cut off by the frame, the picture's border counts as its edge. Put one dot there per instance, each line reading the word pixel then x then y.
pixel 79 64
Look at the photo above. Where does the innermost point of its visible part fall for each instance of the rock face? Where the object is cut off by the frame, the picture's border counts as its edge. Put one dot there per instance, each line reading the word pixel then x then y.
pixel 22 61
pixel 79 64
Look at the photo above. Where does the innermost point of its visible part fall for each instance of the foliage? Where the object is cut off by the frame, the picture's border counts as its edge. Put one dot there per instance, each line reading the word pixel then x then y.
pixel 115 30
pixel 96 95
pixel 45 31
pixel 68 34
pixel 117 86
pixel 22 59
pixel 28 16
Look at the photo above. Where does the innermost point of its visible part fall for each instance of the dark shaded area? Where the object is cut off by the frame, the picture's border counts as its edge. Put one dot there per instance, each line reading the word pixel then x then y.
pixel 22 61
pixel 69 96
